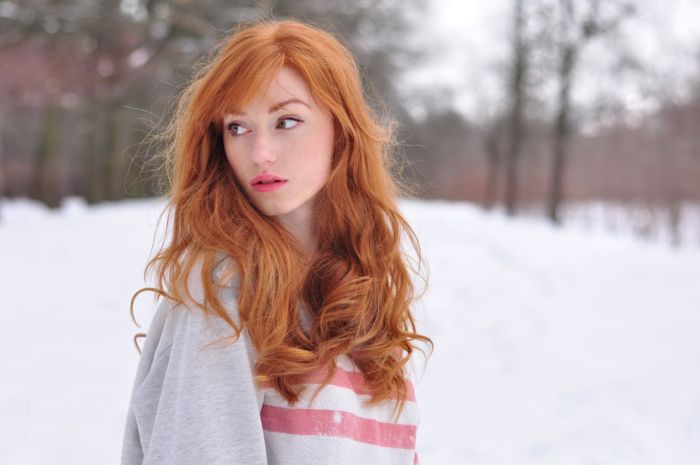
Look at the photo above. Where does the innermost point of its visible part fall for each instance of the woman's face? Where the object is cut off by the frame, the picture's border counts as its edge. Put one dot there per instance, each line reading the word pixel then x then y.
pixel 280 148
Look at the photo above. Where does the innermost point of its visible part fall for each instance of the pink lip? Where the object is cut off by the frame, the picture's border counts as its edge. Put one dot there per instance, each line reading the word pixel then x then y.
pixel 267 182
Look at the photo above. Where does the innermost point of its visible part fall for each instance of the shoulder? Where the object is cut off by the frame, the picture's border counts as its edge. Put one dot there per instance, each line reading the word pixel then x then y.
pixel 223 277
pixel 188 328
pixel 193 373
pixel 192 317
pixel 195 354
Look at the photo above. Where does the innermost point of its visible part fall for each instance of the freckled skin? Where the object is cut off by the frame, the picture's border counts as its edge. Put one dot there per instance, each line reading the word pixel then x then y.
pixel 294 142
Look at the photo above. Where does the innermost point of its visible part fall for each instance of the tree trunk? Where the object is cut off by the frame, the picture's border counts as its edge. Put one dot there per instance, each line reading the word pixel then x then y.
pixel 2 158
pixel 493 154
pixel 561 134
pixel 43 188
pixel 92 190
pixel 515 127
pixel 675 220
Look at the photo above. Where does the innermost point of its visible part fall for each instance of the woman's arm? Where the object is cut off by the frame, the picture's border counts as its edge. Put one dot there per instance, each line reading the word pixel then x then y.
pixel 191 405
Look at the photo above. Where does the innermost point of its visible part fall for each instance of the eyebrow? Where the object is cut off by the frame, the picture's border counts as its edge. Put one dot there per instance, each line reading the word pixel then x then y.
pixel 279 105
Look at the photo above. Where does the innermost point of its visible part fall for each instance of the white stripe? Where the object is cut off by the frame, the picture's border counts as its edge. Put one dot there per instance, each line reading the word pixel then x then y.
pixel 346 363
pixel 334 397
pixel 292 449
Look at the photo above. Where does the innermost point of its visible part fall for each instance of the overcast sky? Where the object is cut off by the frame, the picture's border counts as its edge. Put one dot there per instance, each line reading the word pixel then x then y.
pixel 468 42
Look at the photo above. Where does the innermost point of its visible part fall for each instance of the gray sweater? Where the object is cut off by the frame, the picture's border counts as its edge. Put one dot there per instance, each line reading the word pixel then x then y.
pixel 196 406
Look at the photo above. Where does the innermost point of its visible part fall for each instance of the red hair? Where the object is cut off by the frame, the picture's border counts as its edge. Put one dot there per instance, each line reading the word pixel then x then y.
pixel 357 289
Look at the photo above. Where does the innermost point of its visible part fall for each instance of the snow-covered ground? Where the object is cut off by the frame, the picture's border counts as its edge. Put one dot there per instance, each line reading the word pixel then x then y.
pixel 553 346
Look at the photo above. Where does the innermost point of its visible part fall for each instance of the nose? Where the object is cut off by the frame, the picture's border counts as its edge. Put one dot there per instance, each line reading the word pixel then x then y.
pixel 263 150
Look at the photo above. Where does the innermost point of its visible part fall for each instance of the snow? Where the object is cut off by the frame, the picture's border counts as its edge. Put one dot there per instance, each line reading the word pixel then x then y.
pixel 552 346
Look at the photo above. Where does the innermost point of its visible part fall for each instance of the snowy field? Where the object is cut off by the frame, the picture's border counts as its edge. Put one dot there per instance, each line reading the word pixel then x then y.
pixel 559 347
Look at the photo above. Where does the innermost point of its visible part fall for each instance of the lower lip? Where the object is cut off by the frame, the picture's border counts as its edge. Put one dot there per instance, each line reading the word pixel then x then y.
pixel 273 186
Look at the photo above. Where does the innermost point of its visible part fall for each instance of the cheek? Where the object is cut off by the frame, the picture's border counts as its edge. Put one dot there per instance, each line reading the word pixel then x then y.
pixel 325 146
pixel 233 161
pixel 317 161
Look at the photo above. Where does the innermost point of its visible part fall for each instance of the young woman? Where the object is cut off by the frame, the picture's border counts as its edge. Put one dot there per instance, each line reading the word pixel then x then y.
pixel 284 334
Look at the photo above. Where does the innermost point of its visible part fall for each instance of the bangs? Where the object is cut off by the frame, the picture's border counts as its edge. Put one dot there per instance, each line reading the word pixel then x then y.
pixel 246 76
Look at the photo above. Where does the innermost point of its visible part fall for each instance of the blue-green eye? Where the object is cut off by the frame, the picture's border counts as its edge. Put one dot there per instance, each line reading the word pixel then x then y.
pixel 288 122
pixel 236 129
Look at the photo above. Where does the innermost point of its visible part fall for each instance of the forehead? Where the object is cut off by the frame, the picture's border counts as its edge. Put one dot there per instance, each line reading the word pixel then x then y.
pixel 288 82
pixel 284 84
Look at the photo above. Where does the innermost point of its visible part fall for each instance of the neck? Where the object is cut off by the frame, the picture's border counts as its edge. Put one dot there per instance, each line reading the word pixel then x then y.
pixel 302 224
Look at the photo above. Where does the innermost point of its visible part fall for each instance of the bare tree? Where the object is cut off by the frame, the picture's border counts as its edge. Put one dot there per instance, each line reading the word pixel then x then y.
pixel 493 149
pixel 517 89
pixel 125 60
pixel 575 30
pixel 2 156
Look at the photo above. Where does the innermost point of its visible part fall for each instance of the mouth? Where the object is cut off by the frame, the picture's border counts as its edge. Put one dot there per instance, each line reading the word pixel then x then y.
pixel 267 182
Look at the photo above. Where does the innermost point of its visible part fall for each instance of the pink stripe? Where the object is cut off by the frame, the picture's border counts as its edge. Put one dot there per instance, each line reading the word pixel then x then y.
pixel 318 422
pixel 415 459
pixel 353 380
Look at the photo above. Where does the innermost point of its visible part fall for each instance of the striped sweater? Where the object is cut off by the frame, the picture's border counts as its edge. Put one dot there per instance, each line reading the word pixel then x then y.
pixel 203 407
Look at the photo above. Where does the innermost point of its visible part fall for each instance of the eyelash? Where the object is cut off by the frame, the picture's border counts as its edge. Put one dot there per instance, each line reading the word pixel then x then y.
pixel 230 125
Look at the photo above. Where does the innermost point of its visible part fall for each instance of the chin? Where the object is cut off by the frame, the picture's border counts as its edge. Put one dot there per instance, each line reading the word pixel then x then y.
pixel 273 210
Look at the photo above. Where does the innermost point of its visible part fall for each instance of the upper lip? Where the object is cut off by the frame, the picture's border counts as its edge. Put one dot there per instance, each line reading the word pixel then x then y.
pixel 266 177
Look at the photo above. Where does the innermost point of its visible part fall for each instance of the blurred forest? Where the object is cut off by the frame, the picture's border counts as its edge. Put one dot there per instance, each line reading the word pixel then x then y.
pixel 83 82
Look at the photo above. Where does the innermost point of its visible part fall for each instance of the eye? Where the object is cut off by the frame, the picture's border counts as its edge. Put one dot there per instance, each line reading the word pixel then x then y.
pixel 236 128
pixel 288 122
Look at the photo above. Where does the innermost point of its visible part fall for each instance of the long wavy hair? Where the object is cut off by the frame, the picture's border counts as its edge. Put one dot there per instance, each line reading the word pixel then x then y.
pixel 358 288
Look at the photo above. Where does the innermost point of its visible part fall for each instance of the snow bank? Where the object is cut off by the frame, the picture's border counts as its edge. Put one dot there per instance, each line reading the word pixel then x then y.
pixel 552 346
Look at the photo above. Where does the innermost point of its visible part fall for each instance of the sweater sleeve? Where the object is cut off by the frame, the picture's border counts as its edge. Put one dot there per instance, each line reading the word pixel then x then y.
pixel 191 405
